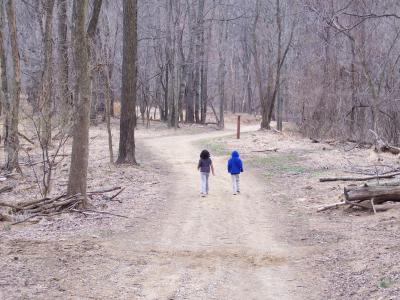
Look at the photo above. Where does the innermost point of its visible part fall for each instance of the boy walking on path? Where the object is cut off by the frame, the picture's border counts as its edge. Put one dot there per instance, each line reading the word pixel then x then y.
pixel 205 166
pixel 235 167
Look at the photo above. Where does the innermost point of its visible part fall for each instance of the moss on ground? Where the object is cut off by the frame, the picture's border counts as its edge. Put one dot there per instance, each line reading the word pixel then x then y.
pixel 217 147
pixel 280 163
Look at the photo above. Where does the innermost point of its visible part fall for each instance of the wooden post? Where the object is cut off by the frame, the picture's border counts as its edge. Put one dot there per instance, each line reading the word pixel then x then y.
pixel 238 128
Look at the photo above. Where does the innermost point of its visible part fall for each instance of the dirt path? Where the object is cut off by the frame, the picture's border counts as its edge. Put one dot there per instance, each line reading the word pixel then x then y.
pixel 187 247
pixel 219 247
pixel 267 243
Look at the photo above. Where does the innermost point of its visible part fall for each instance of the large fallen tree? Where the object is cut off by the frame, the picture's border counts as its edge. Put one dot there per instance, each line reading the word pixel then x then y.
pixel 368 197
pixel 379 194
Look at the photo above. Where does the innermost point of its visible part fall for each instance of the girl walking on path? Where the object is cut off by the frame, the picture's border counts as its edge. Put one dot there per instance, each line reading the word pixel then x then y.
pixel 205 166
pixel 235 167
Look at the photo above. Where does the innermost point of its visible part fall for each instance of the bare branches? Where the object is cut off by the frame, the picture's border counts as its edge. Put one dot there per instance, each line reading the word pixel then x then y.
pixel 372 15
pixel 46 207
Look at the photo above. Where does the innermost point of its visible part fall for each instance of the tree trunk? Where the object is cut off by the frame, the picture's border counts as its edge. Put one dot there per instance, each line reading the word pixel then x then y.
pixel 190 85
pixel 4 95
pixel 274 84
pixel 77 182
pixel 183 69
pixel 278 80
pixel 199 57
pixel 223 33
pixel 166 92
pixel 268 100
pixel 257 66
pixel 12 142
pixel 129 83
pixel 93 43
pixel 246 73
pixel 46 90
pixel 65 94
pixel 204 68
pixel 171 65
pixel 353 89
pixel 108 115
pixel 204 90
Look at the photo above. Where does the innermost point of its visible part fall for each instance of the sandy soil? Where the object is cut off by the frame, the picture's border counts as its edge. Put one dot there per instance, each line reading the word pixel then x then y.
pixel 352 253
pixel 267 243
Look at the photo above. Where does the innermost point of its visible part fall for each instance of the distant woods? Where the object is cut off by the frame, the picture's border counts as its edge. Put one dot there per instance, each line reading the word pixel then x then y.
pixel 331 67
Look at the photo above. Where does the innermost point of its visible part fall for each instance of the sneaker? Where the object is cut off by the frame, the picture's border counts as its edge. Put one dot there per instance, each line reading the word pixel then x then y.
pixel 238 192
pixel 235 193
pixel 203 195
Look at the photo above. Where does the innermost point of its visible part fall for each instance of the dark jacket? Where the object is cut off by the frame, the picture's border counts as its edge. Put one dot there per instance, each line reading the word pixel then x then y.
pixel 235 164
pixel 204 165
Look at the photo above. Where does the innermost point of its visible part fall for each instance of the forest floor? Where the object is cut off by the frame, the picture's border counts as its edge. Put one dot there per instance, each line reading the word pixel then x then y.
pixel 269 242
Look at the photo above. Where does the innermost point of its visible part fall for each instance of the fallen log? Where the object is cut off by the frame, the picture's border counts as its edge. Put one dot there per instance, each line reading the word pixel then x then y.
pixel 380 194
pixel 104 213
pixel 391 149
pixel 381 146
pixel 329 206
pixel 359 178
pixel 5 189
pixel 368 197
pixel 104 191
pixel 266 150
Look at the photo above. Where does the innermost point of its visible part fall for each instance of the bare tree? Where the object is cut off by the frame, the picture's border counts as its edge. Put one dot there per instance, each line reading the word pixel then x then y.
pixel 77 182
pixel 269 94
pixel 222 40
pixel 45 104
pixel 63 62
pixel 129 83
pixel 12 141
pixel 94 43
pixel 4 95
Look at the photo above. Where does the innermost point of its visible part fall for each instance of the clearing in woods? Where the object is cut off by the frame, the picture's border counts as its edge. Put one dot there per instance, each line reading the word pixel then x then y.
pixel 219 247
pixel 222 246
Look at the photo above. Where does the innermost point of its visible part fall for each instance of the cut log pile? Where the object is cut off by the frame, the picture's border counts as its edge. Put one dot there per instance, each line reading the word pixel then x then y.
pixel 53 206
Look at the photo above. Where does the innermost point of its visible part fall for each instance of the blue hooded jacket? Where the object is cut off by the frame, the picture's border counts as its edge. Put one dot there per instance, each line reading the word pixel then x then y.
pixel 235 164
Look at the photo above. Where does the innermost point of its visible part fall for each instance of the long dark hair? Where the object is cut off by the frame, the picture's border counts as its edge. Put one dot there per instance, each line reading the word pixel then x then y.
pixel 205 154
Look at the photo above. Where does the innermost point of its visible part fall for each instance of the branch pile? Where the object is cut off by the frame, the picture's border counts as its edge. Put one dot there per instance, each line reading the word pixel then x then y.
pixel 55 206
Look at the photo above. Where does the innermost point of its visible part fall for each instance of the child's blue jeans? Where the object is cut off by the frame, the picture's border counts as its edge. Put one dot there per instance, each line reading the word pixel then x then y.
pixel 235 183
pixel 204 182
